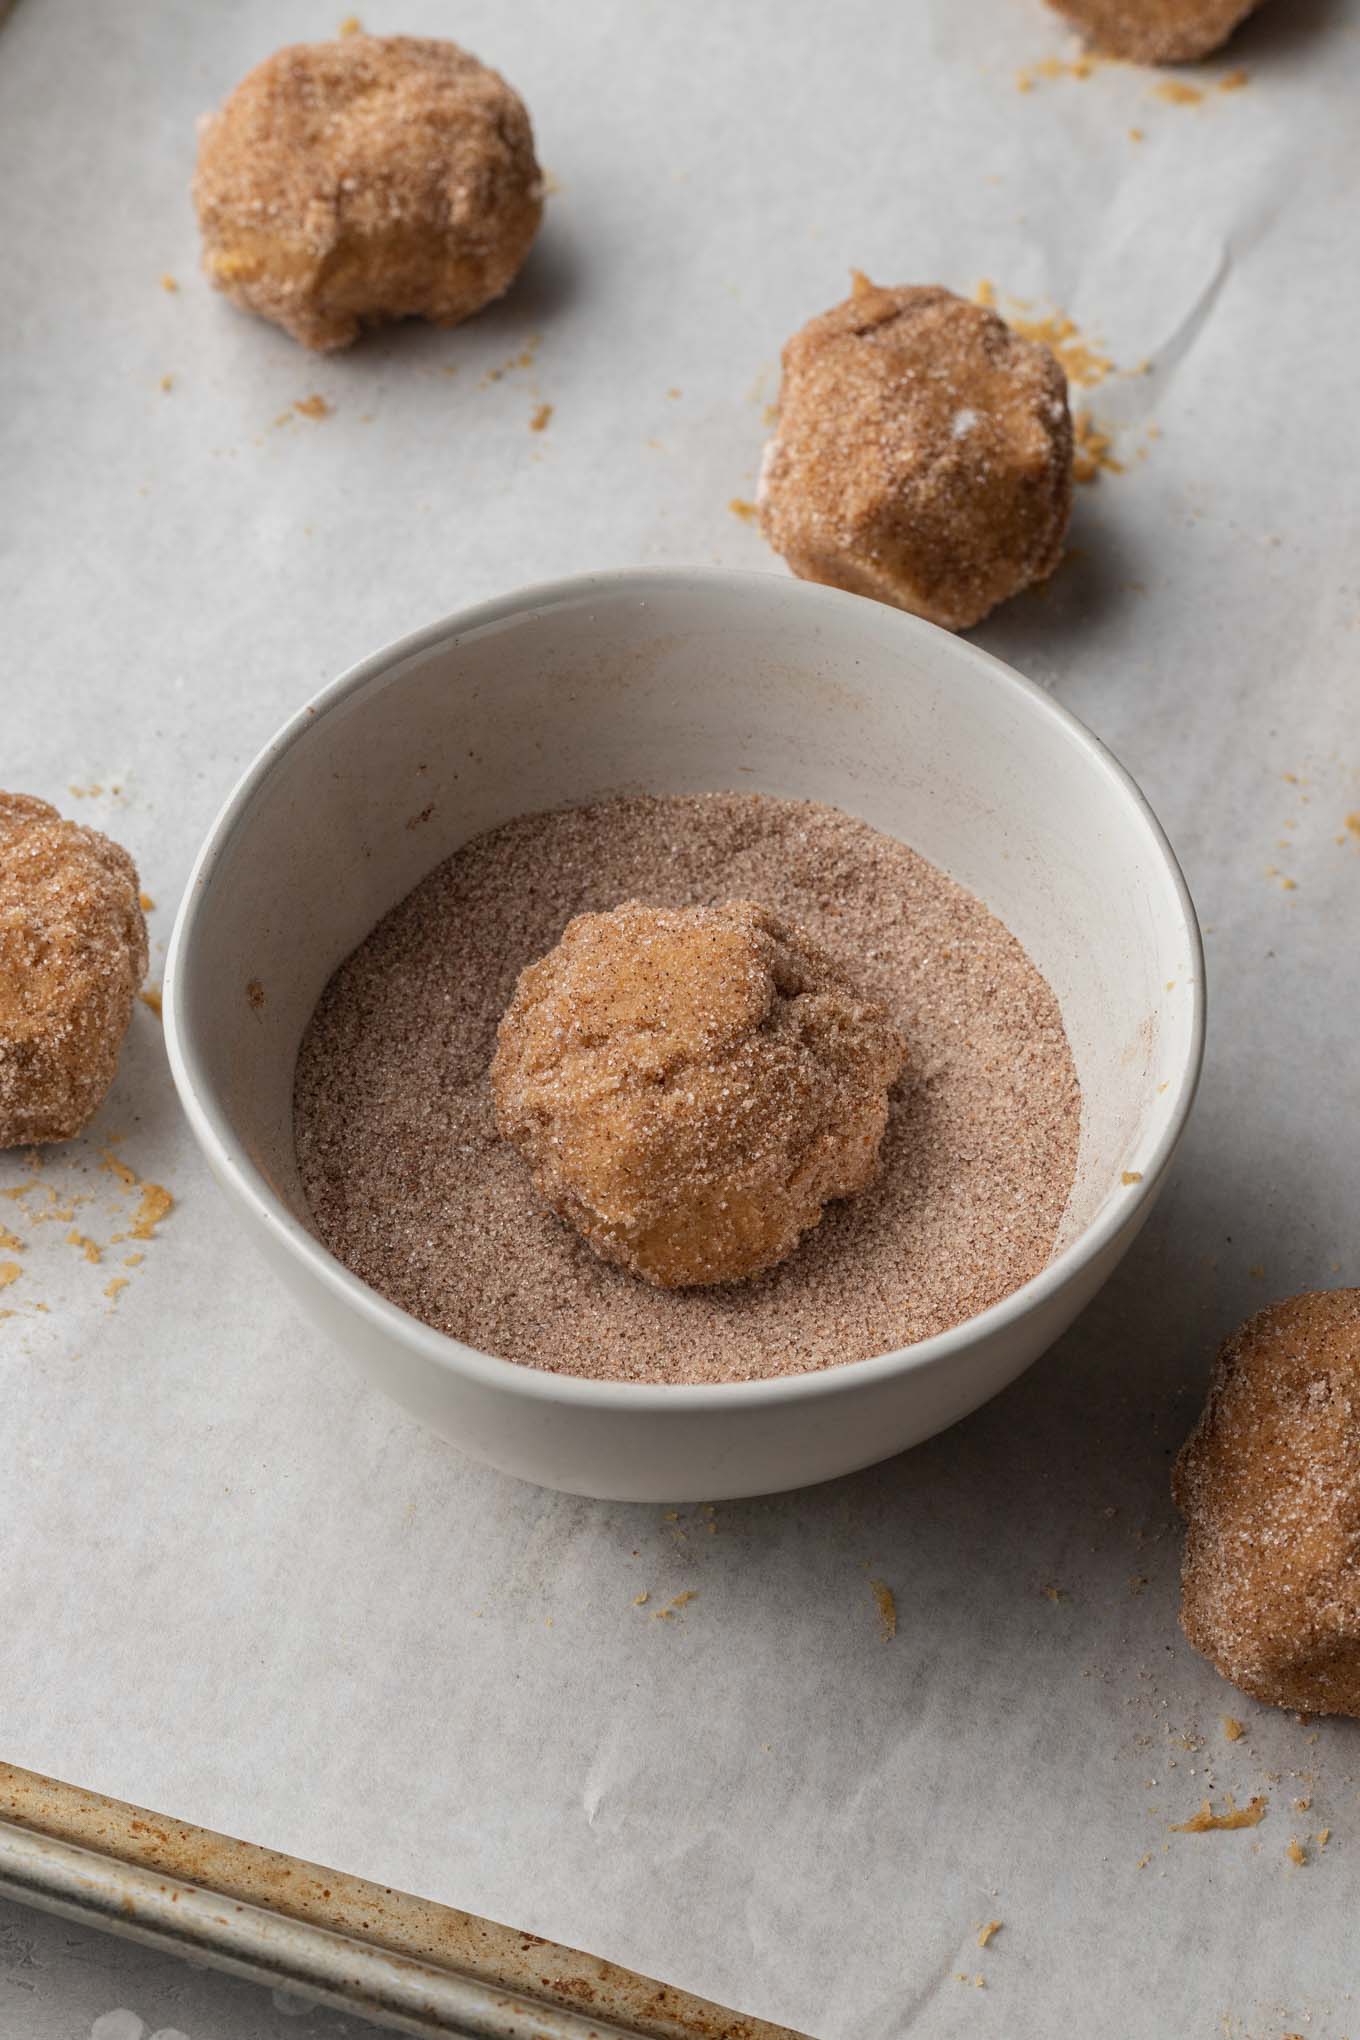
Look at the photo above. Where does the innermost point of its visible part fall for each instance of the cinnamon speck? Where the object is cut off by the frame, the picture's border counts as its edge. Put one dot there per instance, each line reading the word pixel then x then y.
pixel 1177 93
pixel 539 421
pixel 986 1933
pixel 1131 1176
pixel 641 1600
pixel 86 1245
pixel 168 283
pixel 150 996
pixel 351 25
pixel 672 1608
pixel 314 406
pixel 167 383
pixel 146 902
pixel 10 1271
pixel 114 1287
pixel 1296 1852
pixel 741 508
pixel 1234 81
pixel 255 994
pixel 1232 1728
pixel 887 1611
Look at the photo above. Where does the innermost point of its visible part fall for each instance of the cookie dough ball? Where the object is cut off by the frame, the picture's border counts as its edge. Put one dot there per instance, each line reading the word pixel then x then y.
pixel 923 454
pixel 72 956
pixel 1155 31
pixel 1269 1485
pixel 690 1085
pixel 381 177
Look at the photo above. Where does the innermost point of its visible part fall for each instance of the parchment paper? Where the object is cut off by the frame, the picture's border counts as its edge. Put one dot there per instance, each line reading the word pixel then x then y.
pixel 237 1585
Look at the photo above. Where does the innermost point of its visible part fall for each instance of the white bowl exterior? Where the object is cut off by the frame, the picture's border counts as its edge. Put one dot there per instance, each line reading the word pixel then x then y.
pixel 686 682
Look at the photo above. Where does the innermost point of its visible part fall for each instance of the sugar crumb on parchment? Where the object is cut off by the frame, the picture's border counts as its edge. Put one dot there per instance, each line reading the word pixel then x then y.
pixel 1206 1821
pixel 887 1609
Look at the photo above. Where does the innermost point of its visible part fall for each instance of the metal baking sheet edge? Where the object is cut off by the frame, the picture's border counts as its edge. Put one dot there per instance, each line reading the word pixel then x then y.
pixel 403 1961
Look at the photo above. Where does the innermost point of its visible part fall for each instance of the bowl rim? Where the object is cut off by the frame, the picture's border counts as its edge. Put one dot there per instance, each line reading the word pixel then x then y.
pixel 234 1168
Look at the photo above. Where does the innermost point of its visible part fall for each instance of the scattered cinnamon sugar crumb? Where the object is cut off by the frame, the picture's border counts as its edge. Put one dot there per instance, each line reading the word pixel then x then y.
pixel 1234 81
pixel 539 421
pixel 314 406
pixel 115 1286
pixel 1082 361
pixel 1322 1837
pixel 167 383
pixel 1091 450
pixel 1136 135
pixel 255 993
pixel 741 508
pixel 1353 824
pixel 168 283
pixel 120 1169
pixel 155 1205
pixel 641 1600
pixel 10 1271
pixel 985 1933
pixel 87 1246
pixel 1296 1851
pixel 1054 67
pixel 667 1613
pixel 351 25
pixel 1055 1594
pixel 887 1609
pixel 146 903
pixel 1232 1728
pixel 1303 1805
pixel 1132 1176
pixel 1177 93
pixel 150 995
pixel 1233 1816
pixel 133 1260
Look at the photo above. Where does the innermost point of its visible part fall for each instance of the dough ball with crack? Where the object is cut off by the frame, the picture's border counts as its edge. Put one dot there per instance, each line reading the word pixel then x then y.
pixel 922 454
pixel 72 956
pixel 1269 1485
pixel 348 183
pixel 689 1086
pixel 1155 31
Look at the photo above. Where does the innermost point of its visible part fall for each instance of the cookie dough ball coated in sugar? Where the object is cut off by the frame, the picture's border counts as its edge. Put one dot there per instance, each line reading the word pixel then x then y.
pixel 691 1085
pixel 380 177
pixel 1269 1484
pixel 922 454
pixel 72 956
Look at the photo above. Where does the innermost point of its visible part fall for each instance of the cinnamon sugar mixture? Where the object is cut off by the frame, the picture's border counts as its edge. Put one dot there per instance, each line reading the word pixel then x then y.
pixel 410 1186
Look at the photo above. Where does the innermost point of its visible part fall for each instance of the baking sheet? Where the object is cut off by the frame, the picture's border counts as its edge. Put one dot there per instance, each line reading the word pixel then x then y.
pixel 241 1587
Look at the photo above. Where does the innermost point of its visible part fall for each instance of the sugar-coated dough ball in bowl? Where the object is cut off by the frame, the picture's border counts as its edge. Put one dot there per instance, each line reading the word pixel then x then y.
pixel 1269 1484
pixel 689 1086
pixel 348 183
pixel 1155 31
pixel 72 956
pixel 922 454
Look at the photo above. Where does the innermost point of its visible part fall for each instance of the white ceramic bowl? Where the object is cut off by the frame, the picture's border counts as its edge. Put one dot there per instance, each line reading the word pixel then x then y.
pixel 683 682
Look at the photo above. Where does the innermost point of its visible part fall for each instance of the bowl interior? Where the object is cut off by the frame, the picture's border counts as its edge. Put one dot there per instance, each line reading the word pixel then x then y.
pixel 689 683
